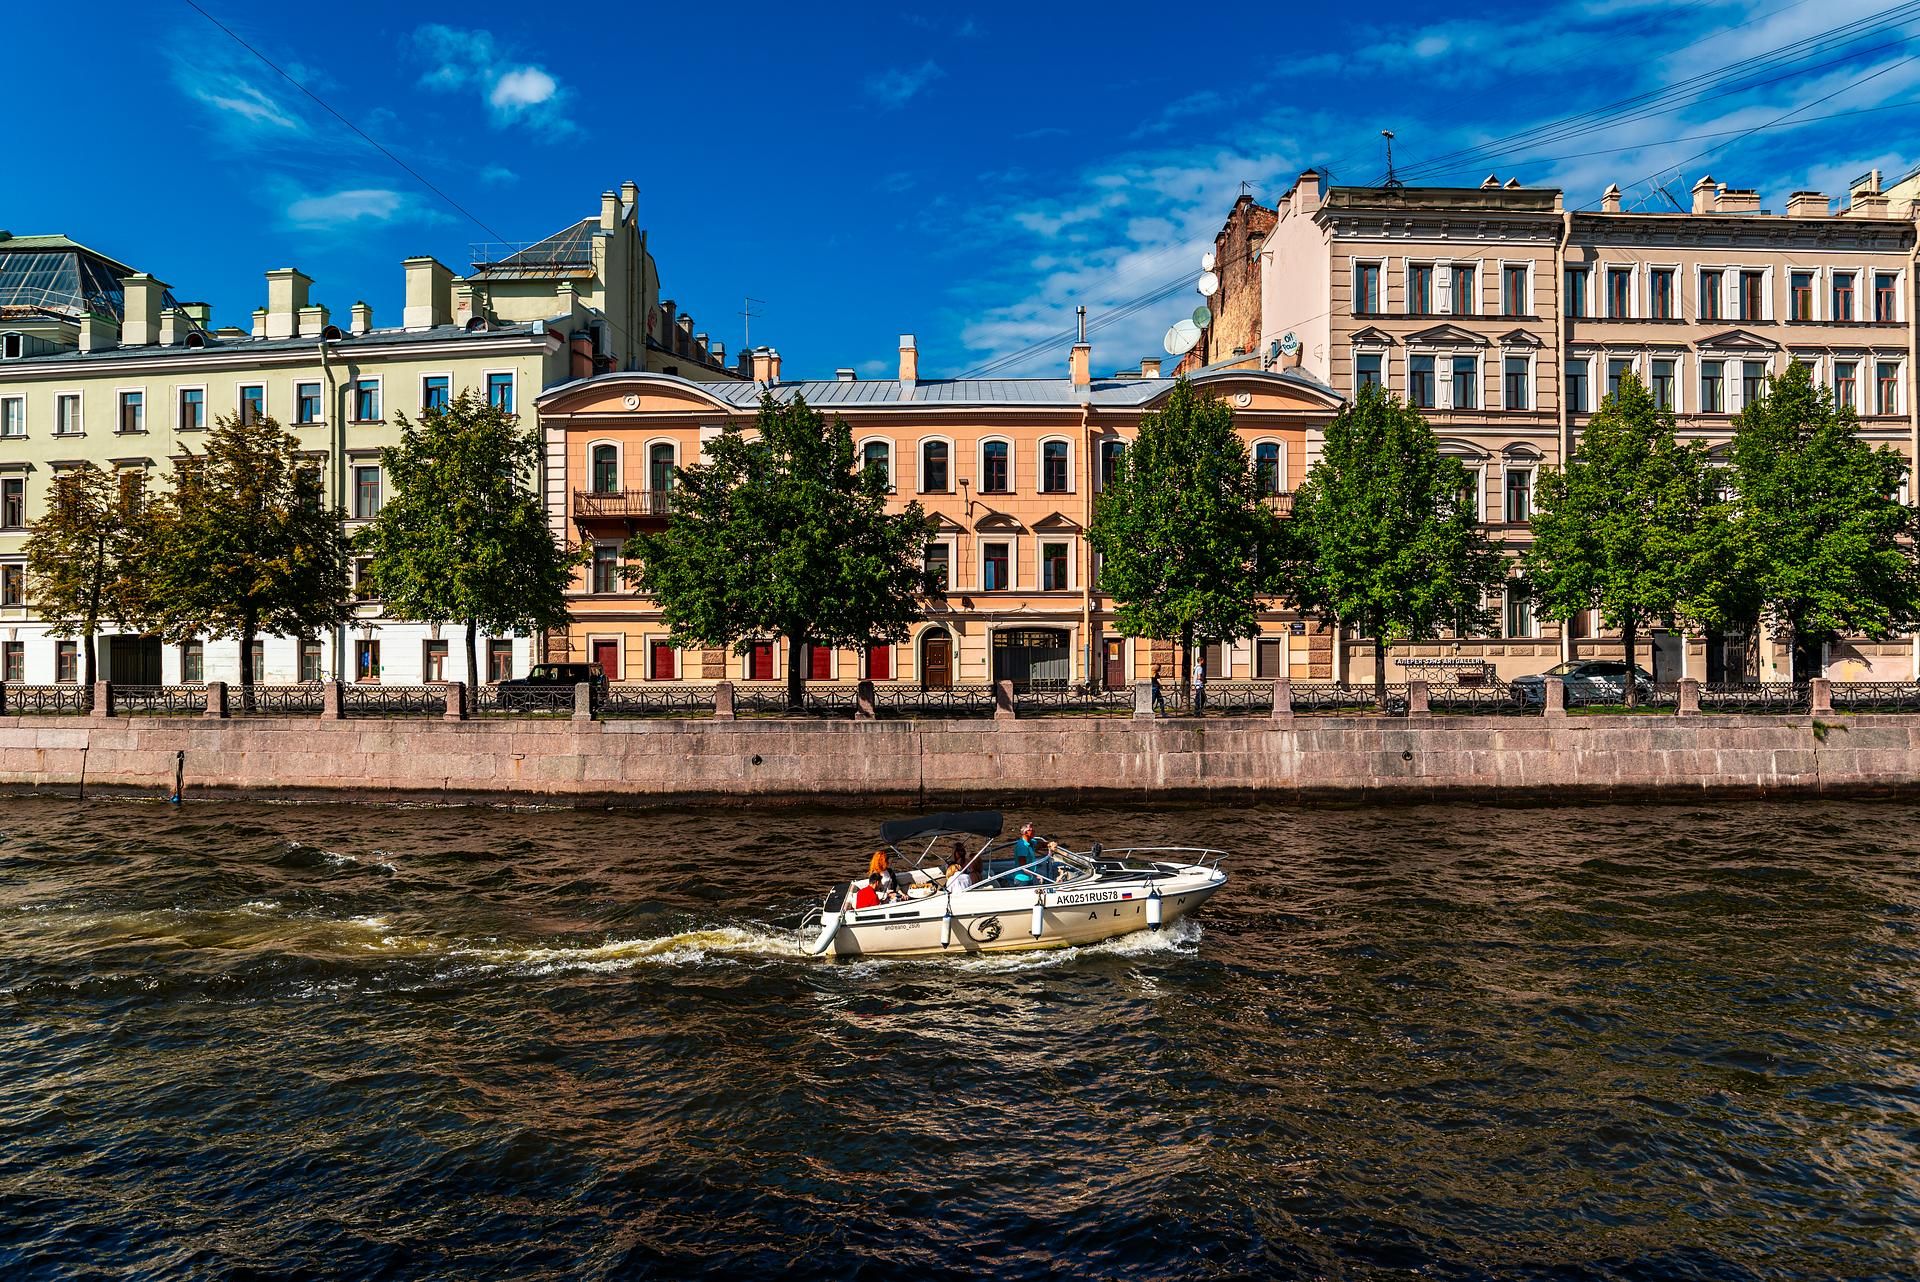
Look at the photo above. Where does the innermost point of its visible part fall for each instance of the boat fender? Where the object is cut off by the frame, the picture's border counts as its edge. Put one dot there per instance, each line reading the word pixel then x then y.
pixel 1039 903
pixel 946 924
pixel 1153 909
pixel 829 927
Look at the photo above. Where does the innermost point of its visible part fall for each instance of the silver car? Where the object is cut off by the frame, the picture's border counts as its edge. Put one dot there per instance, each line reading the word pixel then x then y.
pixel 1587 681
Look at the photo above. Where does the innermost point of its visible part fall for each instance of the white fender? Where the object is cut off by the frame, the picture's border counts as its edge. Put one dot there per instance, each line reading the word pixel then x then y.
pixel 1039 903
pixel 1153 909
pixel 946 924
pixel 828 929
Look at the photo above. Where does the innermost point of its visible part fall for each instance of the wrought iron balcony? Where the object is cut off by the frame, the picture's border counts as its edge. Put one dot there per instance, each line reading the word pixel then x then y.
pixel 595 504
pixel 1279 504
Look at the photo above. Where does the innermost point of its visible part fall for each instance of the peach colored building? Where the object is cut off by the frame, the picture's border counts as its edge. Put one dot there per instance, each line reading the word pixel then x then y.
pixel 1009 469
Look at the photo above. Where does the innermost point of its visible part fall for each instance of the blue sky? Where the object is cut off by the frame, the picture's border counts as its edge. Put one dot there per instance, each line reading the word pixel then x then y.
pixel 966 175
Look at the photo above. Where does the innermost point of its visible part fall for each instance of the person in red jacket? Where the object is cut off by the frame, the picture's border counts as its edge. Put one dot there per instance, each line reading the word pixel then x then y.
pixel 868 895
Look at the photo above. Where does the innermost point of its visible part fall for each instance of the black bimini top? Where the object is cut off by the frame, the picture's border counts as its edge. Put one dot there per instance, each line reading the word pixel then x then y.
pixel 980 823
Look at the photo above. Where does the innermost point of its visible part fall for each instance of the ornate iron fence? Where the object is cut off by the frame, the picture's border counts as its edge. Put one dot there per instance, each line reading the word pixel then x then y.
pixel 1594 696
pixel 1769 696
pixel 1876 696
pixel 953 701
pixel 656 699
pixel 308 698
pixel 1314 700
pixel 769 699
pixel 493 700
pixel 393 701
pixel 24 700
pixel 164 701
pixel 1050 700
pixel 1495 700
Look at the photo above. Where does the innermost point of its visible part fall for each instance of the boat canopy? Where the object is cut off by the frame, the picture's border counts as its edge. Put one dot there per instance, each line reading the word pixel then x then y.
pixel 979 823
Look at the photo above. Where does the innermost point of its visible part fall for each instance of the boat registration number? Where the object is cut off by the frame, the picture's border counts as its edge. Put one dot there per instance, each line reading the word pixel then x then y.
pixel 1088 897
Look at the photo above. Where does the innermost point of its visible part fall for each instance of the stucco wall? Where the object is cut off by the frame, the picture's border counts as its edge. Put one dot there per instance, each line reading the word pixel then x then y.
pixel 962 760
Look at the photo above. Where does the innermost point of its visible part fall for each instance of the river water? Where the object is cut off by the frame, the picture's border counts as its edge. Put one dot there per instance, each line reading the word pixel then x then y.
pixel 248 1040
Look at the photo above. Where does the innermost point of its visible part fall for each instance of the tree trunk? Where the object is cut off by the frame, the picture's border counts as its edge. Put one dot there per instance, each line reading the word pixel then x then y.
pixel 247 631
pixel 92 664
pixel 473 675
pixel 796 674
pixel 1380 664
pixel 1628 635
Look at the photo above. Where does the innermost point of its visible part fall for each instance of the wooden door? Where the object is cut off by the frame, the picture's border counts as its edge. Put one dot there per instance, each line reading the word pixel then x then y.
pixel 762 661
pixel 607 655
pixel 936 669
pixel 661 658
pixel 1114 674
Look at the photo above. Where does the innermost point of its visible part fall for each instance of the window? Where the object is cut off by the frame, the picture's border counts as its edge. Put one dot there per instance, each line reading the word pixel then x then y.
pixel 604 470
pixel 1513 290
pixel 259 660
pixel 1886 387
pixel 1053 567
pixel 1514 396
pixel 13 585
pixel 193 663
pixel 933 469
pixel 939 563
pixel 13 416
pixel 433 661
pixel 363 578
pixel 66 414
pixel 13 503
pixel 1419 290
pixel 1663 384
pixel 878 456
pixel 879 661
pixel 993 567
pixel 1465 286
pixel 1576 301
pixel 1843 296
pixel 1618 367
pixel 193 408
pixel 1266 467
pixel 253 403
pixel 66 662
pixel 366 400
pixel 660 467
pixel 1519 609
pixel 1753 382
pixel 1713 398
pixel 1420 381
pixel 436 392
pixel 1366 370
pixel 1470 497
pixel 1660 293
pixel 133 483
pixel 1577 386
pixel 996 468
pixel 309 660
pixel 499 660
pixel 13 661
pixel 1710 295
pixel 1110 452
pixel 306 402
pixel 1752 296
pixel 133 411
pixel 1366 289
pixel 1268 658
pixel 500 391
pixel 1619 292
pixel 606 567
pixel 1845 385
pixel 366 660
pixel 663 661
pixel 1053 467
pixel 1883 300
pixel 1519 495
pixel 1466 381
pixel 366 493
pixel 1800 296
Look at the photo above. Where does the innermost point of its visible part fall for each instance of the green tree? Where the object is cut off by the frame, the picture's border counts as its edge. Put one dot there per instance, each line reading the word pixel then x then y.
pixel 1389 535
pixel 1617 529
pixel 244 544
pixel 1180 530
pixel 778 533
pixel 462 537
pixel 79 557
pixel 1816 535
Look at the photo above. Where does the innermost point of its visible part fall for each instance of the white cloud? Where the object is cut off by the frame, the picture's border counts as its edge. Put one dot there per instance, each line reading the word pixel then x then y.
pixel 498 174
pixel 521 88
pixel 897 86
pixel 347 208
pixel 515 91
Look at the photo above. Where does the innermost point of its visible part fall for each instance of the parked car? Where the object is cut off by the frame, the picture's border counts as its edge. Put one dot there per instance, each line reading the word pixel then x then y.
pixel 536 689
pixel 1587 681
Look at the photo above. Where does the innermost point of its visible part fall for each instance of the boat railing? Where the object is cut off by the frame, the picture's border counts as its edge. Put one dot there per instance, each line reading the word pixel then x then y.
pixel 1201 856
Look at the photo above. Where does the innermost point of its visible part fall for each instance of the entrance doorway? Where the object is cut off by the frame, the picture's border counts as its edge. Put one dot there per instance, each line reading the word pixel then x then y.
pixel 1032 658
pixel 135 661
pixel 936 661
pixel 606 656
pixel 1667 652
pixel 1113 663
pixel 760 661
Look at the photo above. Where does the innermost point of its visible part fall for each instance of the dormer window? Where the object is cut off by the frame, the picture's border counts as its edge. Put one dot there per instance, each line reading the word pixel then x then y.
pixel 11 346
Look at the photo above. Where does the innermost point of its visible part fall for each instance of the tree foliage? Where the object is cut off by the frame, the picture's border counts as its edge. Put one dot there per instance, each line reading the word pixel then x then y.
pixel 1180 529
pixel 462 536
pixel 243 544
pixel 79 557
pixel 1619 528
pixel 1389 542
pixel 776 532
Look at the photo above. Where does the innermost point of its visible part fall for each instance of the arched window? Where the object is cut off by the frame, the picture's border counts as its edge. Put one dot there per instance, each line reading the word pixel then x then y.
pixel 660 467
pixel 606 469
pixel 935 477
pixel 1055 475
pixel 878 454
pixel 1266 467
pixel 996 468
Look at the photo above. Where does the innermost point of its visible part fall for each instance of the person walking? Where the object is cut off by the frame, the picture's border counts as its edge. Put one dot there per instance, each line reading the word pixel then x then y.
pixel 1159 696
pixel 1200 686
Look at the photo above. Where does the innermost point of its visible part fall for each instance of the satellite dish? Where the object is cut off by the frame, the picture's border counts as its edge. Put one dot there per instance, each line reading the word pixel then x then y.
pixel 1181 338
pixel 1207 261
pixel 1208 284
pixel 1203 316
pixel 1289 343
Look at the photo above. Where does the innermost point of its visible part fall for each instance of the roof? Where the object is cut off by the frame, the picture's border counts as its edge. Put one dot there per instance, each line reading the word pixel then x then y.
pixel 562 254
pixel 346 343
pixel 979 823
pixel 56 274
pixel 992 391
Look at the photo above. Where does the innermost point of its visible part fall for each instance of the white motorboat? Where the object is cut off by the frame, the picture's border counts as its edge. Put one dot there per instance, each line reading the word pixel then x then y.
pixel 1017 899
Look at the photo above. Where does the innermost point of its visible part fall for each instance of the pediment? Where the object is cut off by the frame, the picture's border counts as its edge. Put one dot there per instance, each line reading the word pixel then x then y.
pixel 999 523
pixel 1520 338
pixel 1372 334
pixel 1447 336
pixel 1739 340
pixel 1056 523
pixel 944 524
pixel 630 393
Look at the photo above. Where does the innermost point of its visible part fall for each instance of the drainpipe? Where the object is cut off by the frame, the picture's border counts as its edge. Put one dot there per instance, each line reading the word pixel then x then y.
pixel 337 421
pixel 1561 345
pixel 1087 465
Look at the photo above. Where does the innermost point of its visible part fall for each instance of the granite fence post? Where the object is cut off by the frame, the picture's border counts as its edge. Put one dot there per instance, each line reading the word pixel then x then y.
pixel 456 709
pixel 216 700
pixel 1821 690
pixel 582 701
pixel 1142 700
pixel 1555 690
pixel 1283 701
pixel 1418 709
pixel 3 698
pixel 863 700
pixel 103 698
pixel 331 699
pixel 1689 703
pixel 723 701
pixel 1003 701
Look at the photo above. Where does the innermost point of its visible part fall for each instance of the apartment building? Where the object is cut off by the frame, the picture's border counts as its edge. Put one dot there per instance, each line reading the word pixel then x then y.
pixel 1008 468
pixel 102 363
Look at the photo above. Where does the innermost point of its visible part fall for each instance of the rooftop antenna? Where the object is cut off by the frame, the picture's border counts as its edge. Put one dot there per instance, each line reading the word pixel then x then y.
pixel 1082 310
pixel 1392 179
pixel 746 318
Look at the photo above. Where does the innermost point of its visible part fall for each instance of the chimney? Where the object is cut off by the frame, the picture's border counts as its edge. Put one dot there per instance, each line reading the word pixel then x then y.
pixel 362 317
pixel 718 351
pixel 609 211
pixel 98 333
pixel 174 327
pixel 744 366
pixel 1743 200
pixel 909 360
pixel 259 322
pixel 1513 184
pixel 1865 196
pixel 1080 359
pixel 629 196
pixel 763 365
pixel 201 314
pixel 313 319
pixel 1705 197
pixel 773 365
pixel 1807 204
pixel 844 375
pixel 667 310
pixel 467 304
pixel 429 293
pixel 1306 192
pixel 1490 183
pixel 1610 199
pixel 683 342
pixel 286 294
pixel 140 324
pixel 1150 367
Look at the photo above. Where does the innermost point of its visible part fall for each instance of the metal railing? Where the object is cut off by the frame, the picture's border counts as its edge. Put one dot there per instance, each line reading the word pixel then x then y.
pixel 1494 700
pixel 1069 699
pixel 494 700
pixel 394 701
pixel 1876 696
pixel 164 701
pixel 948 701
pixel 1768 696
pixel 658 699
pixel 19 700
pixel 769 699
pixel 1313 700
pixel 1595 695
pixel 307 698
pixel 615 503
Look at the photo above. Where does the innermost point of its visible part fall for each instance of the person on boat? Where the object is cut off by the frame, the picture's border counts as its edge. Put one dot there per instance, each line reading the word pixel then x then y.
pixel 869 896
pixel 878 866
pixel 1024 846
pixel 959 876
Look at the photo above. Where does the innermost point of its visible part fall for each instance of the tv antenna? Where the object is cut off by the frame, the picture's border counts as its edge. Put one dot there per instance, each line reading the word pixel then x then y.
pixel 1393 179
pixel 746 318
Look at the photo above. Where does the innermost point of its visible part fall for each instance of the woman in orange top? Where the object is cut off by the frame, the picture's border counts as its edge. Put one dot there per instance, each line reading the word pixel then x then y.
pixel 877 867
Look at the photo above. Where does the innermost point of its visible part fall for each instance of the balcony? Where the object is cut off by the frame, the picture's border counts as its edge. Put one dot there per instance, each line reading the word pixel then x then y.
pixel 1278 504
pixel 629 505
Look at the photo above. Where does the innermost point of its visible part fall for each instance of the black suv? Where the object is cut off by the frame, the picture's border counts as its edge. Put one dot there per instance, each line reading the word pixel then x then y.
pixel 542 686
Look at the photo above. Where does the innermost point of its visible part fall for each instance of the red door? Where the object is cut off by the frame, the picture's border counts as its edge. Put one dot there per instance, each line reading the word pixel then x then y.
pixel 606 654
pixel 880 662
pixel 761 660
pixel 1114 675
pixel 662 660
pixel 819 663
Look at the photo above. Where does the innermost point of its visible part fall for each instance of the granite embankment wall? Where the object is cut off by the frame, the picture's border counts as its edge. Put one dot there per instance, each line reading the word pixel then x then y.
pixel 642 761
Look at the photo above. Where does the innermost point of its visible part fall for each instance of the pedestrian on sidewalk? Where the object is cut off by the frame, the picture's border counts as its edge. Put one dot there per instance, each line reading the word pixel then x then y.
pixel 1200 686
pixel 1159 698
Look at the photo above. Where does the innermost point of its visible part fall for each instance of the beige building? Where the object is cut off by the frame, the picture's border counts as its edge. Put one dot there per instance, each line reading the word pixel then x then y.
pixel 100 363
